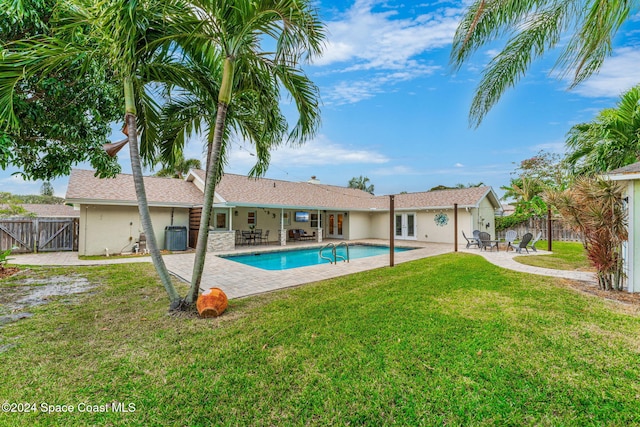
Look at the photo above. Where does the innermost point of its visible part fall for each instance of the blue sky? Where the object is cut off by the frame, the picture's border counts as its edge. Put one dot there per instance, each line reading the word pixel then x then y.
pixel 395 112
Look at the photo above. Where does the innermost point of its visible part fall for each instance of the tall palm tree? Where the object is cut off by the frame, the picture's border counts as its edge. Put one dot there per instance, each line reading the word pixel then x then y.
pixel 533 28
pixel 238 31
pixel 611 141
pixel 361 184
pixel 132 39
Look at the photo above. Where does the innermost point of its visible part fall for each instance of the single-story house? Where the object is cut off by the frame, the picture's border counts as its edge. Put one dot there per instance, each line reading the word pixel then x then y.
pixel 109 217
pixel 629 176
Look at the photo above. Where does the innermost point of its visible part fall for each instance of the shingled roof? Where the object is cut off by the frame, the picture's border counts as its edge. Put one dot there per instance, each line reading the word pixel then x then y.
pixel 86 188
pixel 240 190
pixel 631 171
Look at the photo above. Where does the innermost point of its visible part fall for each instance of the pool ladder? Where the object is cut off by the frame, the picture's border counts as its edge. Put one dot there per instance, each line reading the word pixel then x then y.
pixel 334 248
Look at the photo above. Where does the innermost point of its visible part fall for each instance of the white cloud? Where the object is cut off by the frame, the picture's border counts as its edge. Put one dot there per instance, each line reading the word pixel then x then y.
pixel 351 92
pixel 617 74
pixel 459 165
pixel 383 43
pixel 319 152
pixel 382 40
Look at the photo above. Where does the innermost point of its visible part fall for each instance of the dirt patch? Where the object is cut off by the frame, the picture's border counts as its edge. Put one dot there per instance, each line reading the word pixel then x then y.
pixel 34 292
pixel 8 271
pixel 632 300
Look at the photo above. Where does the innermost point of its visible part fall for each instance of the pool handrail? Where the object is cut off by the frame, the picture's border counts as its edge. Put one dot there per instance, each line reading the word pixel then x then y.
pixel 334 248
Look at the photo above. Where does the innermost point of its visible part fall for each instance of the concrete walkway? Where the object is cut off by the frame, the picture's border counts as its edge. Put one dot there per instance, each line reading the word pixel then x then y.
pixel 239 280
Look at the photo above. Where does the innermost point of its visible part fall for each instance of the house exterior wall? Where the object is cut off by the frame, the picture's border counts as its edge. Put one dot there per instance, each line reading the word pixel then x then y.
pixel 359 225
pixel 117 228
pixel 379 225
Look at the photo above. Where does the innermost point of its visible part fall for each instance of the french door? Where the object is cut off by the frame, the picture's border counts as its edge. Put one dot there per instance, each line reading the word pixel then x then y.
pixel 405 226
pixel 335 225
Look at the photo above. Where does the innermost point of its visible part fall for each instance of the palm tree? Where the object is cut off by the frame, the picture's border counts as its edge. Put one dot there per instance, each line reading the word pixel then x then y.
pixel 132 39
pixel 361 184
pixel 179 169
pixel 611 141
pixel 595 208
pixel 535 27
pixel 237 31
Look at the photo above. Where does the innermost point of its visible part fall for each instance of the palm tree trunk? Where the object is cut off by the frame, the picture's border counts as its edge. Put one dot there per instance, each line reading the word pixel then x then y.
pixel 224 99
pixel 143 206
pixel 209 192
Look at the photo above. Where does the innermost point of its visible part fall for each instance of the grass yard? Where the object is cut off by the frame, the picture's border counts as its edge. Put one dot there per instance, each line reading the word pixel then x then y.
pixel 450 340
pixel 565 256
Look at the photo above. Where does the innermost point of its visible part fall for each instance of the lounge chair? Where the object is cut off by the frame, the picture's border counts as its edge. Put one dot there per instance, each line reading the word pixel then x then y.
pixel 485 241
pixel 524 242
pixel 532 245
pixel 470 241
pixel 509 237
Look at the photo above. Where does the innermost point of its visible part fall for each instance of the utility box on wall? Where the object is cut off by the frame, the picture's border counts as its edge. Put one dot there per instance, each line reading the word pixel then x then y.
pixel 175 238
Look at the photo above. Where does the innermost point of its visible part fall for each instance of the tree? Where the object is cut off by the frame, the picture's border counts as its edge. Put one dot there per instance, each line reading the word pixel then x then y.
pixel 130 38
pixel 594 207
pixel 179 169
pixel 46 189
pixel 238 30
pixel 64 116
pixel 456 187
pixel 610 141
pixel 534 28
pixel 360 183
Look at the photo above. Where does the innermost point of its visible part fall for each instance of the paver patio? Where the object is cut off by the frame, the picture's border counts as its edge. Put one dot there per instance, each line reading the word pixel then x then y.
pixel 238 280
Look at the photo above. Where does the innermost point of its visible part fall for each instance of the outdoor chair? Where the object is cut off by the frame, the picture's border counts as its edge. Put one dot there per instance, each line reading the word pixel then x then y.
pixel 238 238
pixel 264 238
pixel 484 240
pixel 509 237
pixel 532 245
pixel 524 242
pixel 470 241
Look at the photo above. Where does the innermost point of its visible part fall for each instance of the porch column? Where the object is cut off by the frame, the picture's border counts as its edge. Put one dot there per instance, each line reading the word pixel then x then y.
pixel 282 233
pixel 230 219
pixel 319 231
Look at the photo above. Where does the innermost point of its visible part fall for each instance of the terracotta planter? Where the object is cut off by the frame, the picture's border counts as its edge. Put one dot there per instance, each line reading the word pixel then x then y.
pixel 212 303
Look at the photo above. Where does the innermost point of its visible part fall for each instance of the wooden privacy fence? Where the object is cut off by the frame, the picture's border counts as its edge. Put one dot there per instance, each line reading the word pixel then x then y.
pixel 39 234
pixel 559 231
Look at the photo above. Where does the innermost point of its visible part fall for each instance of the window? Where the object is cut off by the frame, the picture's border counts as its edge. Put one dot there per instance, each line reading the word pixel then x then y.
pixel 252 218
pixel 221 220
pixel 314 220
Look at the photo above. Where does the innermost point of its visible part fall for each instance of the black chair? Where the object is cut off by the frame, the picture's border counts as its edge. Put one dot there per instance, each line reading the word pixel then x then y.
pixel 484 240
pixel 524 242
pixel 470 241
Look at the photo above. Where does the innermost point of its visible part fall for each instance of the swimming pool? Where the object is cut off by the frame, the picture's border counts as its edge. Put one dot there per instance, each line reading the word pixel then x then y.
pixel 284 260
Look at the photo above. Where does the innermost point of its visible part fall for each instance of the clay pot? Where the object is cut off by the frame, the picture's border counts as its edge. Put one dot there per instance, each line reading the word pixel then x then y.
pixel 212 303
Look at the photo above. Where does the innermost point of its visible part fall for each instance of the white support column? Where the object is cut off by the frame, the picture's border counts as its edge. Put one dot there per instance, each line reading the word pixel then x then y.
pixel 319 231
pixel 633 244
pixel 230 219
pixel 283 233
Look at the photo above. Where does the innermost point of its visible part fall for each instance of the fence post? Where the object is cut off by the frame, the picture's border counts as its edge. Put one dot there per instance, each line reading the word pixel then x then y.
pixel 549 235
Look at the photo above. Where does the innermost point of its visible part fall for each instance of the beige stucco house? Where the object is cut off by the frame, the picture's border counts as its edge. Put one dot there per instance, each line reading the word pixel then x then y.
pixel 629 176
pixel 109 214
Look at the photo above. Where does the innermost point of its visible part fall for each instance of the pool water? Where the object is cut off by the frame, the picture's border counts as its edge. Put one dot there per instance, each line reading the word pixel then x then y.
pixel 284 260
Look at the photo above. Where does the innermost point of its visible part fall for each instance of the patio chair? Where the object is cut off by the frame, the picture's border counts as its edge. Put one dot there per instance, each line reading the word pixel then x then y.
pixel 238 238
pixel 470 241
pixel 246 237
pixel 532 245
pixel 264 238
pixel 524 242
pixel 509 237
pixel 484 240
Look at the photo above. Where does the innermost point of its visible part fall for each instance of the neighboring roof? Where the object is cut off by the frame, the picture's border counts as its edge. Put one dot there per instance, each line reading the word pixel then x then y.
pixel 47 211
pixel 629 172
pixel 51 211
pixel 86 188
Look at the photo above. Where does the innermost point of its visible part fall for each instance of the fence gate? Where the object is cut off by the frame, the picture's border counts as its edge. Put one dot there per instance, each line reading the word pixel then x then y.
pixel 39 234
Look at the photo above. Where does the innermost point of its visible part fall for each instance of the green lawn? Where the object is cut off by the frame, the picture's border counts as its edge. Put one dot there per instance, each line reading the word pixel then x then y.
pixel 565 256
pixel 450 340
